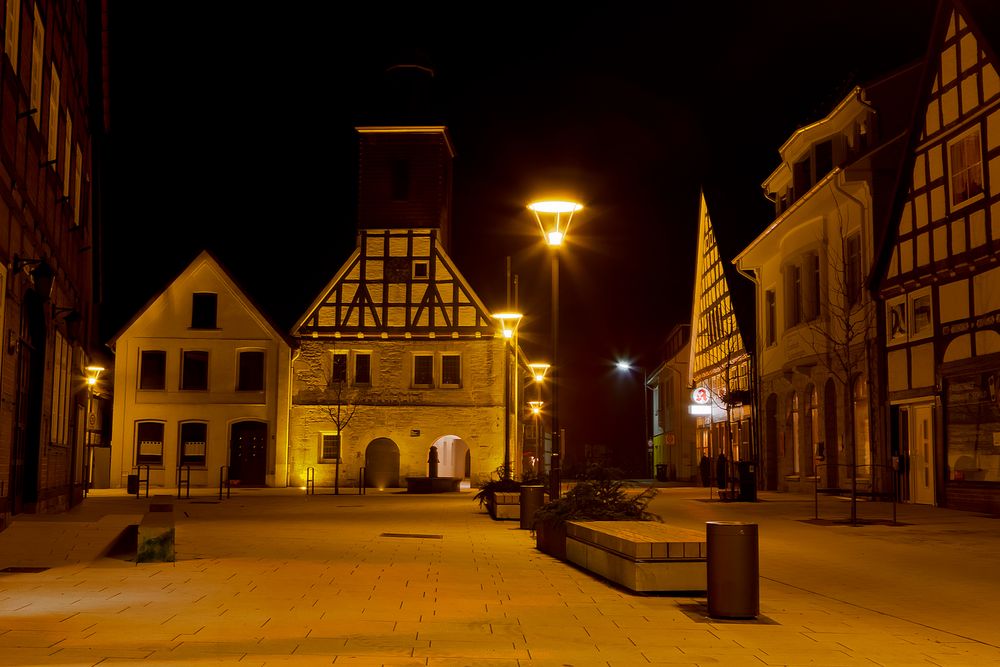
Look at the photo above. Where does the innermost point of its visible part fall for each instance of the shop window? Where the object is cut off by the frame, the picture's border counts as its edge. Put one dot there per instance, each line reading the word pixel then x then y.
pixel 194 443
pixel 149 443
pixel 153 370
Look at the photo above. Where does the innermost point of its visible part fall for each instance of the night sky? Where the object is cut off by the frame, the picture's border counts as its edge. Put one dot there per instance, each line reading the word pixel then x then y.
pixel 233 130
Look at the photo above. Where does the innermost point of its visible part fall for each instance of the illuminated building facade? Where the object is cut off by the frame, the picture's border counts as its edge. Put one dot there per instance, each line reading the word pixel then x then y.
pixel 201 383
pixel 720 359
pixel 397 354
pixel 51 119
pixel 815 319
pixel 673 428
pixel 938 273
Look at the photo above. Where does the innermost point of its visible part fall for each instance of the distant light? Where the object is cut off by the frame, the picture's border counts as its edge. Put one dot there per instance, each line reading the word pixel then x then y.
pixel 555 206
pixel 555 238
pixel 508 333
pixel 623 366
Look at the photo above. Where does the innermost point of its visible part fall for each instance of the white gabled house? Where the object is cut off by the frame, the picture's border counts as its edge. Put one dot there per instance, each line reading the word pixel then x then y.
pixel 201 382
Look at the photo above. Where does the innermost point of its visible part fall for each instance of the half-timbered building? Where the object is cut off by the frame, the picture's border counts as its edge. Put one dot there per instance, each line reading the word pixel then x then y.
pixel 397 354
pixel 939 274
pixel 721 364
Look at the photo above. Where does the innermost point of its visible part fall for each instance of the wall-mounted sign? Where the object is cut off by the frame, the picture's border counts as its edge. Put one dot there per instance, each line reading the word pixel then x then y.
pixel 699 409
pixel 701 396
pixel 414 432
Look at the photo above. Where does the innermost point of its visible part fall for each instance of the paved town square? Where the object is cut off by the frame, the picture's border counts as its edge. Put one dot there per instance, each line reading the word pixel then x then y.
pixel 278 577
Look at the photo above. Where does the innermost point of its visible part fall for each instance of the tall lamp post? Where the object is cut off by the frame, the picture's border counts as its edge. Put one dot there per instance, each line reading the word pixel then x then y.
pixel 538 371
pixel 508 325
pixel 627 367
pixel 554 218
pixel 93 375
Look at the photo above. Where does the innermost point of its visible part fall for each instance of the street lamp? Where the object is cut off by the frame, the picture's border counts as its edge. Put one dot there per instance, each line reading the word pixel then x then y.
pixel 508 327
pixel 93 375
pixel 554 218
pixel 627 367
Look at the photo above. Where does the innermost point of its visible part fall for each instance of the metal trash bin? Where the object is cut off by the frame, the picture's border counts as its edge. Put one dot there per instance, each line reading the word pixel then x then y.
pixel 532 497
pixel 748 482
pixel 733 570
pixel 661 472
pixel 132 485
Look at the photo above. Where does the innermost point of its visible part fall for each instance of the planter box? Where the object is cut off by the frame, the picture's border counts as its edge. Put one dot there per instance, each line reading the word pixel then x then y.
pixel 507 505
pixel 550 538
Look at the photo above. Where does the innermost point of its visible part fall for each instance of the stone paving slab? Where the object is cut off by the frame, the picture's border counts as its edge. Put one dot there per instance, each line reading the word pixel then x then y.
pixel 323 587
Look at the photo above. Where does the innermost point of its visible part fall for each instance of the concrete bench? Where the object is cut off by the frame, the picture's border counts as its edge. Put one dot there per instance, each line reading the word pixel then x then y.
pixel 643 556
pixel 156 534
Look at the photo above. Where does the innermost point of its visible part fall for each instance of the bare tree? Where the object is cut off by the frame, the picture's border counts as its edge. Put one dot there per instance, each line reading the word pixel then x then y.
pixel 339 408
pixel 841 335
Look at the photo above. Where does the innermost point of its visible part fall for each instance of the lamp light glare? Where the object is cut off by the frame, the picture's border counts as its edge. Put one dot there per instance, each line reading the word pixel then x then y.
pixel 555 238
pixel 555 206
pixel 623 366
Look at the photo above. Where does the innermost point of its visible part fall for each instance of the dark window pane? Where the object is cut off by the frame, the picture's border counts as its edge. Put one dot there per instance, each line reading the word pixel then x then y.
pixel 194 442
pixel 362 369
pixel 423 370
pixel 153 369
pixel 852 268
pixel 203 309
pixel 194 372
pixel 339 373
pixel 251 371
pixel 824 159
pixel 451 369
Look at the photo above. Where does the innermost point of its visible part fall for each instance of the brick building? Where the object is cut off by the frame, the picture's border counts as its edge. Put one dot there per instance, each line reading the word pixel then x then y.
pixel 50 125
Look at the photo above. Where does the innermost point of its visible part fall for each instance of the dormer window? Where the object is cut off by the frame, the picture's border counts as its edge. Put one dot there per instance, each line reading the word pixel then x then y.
pixel 824 158
pixel 801 177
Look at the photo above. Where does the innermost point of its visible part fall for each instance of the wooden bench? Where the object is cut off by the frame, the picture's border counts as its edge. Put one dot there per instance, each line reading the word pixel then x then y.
pixel 643 556
pixel 156 534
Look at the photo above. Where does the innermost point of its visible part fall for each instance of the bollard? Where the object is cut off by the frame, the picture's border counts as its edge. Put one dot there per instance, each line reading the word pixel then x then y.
pixel 733 570
pixel 532 497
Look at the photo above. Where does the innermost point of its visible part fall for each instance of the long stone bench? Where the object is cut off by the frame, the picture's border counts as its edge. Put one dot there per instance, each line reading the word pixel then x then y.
pixel 643 556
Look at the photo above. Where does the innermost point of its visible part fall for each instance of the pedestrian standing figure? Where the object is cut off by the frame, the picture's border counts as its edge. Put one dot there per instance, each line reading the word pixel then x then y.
pixel 705 467
pixel 720 472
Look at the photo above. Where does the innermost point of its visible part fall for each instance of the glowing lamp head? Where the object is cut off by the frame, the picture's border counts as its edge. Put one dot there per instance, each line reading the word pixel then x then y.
pixel 553 219
pixel 538 370
pixel 508 323
pixel 536 407
pixel 623 366
pixel 93 373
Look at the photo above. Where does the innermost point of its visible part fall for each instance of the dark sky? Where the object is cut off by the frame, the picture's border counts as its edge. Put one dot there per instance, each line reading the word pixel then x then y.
pixel 233 130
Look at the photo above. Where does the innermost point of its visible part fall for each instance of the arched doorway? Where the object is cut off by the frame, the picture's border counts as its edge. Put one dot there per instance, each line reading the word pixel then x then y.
pixel 248 453
pixel 382 464
pixel 454 457
pixel 771 443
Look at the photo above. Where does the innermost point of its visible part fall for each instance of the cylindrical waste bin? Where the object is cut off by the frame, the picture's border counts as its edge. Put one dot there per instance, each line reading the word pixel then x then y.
pixel 661 472
pixel 132 485
pixel 532 497
pixel 748 482
pixel 733 570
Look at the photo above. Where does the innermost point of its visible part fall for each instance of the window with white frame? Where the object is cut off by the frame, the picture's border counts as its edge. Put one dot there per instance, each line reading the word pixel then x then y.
pixel 149 443
pixel 193 443
pixel 329 447
pixel 921 320
pixel 896 320
pixel 423 370
pixel 965 165
pixel 451 370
